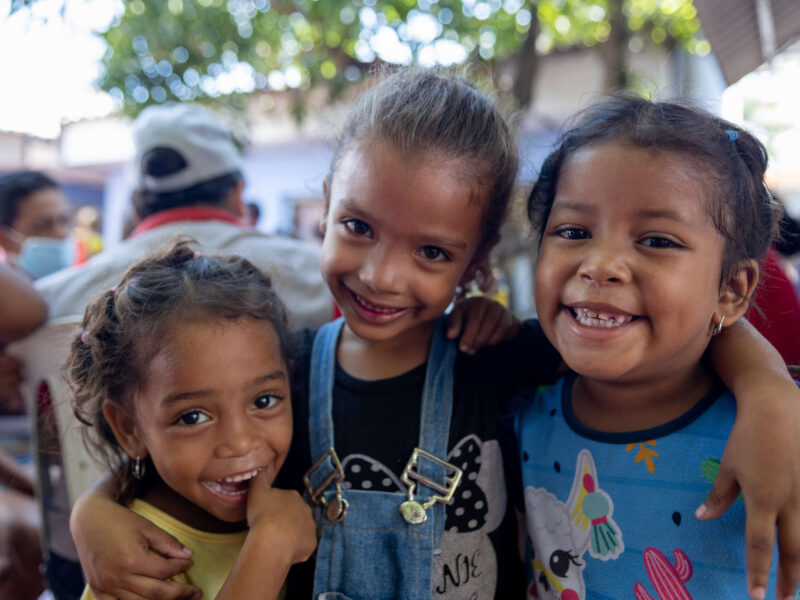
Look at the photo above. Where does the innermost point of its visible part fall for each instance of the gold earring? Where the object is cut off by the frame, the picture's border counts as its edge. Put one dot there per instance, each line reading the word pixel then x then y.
pixel 717 328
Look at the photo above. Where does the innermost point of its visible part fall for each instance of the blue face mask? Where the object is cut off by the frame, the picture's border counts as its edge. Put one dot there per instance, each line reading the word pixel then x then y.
pixel 41 256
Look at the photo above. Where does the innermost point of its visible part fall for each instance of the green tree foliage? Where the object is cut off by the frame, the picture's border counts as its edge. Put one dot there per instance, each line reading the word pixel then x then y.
pixel 219 51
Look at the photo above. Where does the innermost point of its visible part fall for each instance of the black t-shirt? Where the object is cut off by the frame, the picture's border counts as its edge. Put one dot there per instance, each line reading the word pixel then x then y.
pixel 376 427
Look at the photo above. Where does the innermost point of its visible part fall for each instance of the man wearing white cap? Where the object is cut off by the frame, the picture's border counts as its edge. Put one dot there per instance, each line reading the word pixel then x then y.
pixel 188 182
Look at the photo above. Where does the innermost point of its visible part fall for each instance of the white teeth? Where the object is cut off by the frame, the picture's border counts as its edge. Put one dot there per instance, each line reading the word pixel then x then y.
pixel 242 477
pixel 374 308
pixel 214 485
pixel 590 318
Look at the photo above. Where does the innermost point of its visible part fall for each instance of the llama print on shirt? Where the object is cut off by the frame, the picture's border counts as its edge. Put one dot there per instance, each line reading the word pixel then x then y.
pixel 561 534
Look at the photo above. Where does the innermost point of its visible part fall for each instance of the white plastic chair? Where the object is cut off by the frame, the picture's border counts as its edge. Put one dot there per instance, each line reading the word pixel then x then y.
pixel 43 354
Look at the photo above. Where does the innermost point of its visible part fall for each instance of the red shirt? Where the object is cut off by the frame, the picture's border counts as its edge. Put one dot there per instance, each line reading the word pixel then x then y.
pixel 779 306
pixel 186 213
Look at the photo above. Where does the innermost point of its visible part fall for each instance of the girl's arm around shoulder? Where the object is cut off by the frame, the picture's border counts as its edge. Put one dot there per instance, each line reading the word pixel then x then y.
pixel 123 554
pixel 761 455
pixel 282 533
pixel 479 322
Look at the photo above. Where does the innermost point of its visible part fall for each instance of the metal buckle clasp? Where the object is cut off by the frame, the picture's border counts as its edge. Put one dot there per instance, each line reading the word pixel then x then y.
pixel 414 512
pixel 336 509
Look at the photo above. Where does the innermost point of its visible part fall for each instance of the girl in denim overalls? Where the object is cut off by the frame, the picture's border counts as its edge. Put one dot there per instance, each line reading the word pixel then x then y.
pixel 417 190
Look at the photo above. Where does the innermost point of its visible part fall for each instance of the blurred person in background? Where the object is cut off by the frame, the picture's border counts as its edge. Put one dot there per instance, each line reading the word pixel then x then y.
pixel 21 311
pixel 35 223
pixel 776 309
pixel 87 233
pixel 188 182
pixel 253 213
pixel 789 249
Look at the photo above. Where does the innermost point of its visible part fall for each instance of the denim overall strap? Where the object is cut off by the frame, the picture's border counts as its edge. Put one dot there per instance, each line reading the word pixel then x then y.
pixel 437 408
pixel 320 390
pixel 373 553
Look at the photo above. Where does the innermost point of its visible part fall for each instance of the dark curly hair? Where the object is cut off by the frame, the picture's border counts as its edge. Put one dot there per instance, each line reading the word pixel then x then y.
pixel 729 162
pixel 123 327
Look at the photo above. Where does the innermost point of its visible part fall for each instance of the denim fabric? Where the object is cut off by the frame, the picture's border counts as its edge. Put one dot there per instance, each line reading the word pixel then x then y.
pixel 373 554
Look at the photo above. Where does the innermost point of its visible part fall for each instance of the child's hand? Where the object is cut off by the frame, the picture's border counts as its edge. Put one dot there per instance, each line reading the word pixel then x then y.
pixel 124 555
pixel 481 322
pixel 283 516
pixel 281 528
pixel 761 459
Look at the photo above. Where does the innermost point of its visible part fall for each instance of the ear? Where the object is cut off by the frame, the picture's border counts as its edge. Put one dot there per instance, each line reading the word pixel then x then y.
pixel 10 240
pixel 480 268
pixel 123 424
pixel 735 293
pixel 326 196
pixel 236 200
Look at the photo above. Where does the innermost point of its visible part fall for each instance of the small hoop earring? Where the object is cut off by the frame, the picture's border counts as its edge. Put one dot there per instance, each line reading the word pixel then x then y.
pixel 138 468
pixel 717 329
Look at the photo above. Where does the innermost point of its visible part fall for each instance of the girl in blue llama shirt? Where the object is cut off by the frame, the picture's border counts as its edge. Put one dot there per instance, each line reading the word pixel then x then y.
pixel 653 217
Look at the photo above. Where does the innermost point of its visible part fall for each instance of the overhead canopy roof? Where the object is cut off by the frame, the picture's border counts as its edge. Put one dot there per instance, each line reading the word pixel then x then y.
pixel 747 33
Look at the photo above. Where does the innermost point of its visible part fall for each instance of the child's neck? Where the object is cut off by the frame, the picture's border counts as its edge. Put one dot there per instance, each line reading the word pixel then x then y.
pixel 175 505
pixel 372 360
pixel 616 407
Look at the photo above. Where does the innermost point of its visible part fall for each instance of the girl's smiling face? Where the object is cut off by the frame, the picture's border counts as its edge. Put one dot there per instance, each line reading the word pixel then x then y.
pixel 628 278
pixel 214 410
pixel 400 234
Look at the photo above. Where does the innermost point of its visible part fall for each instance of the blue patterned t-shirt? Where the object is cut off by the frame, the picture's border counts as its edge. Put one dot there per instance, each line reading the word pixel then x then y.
pixel 611 515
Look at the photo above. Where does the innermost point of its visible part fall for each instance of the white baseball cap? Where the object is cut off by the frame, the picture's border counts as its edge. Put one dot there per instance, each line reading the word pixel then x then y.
pixel 195 133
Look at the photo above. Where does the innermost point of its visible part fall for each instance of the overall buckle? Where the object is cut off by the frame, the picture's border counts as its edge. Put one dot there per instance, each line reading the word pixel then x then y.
pixel 336 509
pixel 414 512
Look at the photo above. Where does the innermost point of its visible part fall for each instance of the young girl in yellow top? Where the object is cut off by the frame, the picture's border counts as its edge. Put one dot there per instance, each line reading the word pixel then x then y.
pixel 181 372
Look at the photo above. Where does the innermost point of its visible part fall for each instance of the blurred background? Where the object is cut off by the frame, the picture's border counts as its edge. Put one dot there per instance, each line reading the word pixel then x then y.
pixel 74 72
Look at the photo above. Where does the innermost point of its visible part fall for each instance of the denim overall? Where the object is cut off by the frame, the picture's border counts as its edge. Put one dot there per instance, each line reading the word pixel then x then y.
pixel 373 553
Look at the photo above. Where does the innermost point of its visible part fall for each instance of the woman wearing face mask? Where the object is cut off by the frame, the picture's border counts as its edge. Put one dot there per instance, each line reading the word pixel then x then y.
pixel 34 223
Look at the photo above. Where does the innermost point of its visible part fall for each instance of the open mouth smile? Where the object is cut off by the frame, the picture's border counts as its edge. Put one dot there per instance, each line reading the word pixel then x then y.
pixel 378 313
pixel 602 319
pixel 384 310
pixel 234 485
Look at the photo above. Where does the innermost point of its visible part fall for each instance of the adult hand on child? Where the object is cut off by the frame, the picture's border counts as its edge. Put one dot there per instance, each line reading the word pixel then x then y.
pixel 129 558
pixel 481 322
pixel 760 459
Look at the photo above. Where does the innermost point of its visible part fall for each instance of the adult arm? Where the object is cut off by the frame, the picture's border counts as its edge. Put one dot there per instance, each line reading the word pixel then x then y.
pixel 13 476
pixel 21 309
pixel 760 458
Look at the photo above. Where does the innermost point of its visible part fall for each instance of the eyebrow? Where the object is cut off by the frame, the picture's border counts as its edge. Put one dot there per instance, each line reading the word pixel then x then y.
pixel 649 213
pixel 428 240
pixel 278 375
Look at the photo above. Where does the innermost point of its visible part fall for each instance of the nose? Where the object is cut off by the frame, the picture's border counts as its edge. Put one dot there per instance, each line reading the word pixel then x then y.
pixel 239 435
pixel 381 270
pixel 605 263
